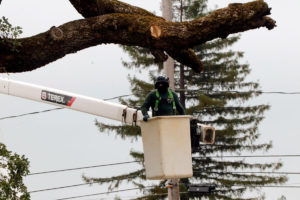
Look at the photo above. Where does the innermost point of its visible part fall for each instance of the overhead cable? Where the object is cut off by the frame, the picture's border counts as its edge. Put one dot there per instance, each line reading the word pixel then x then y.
pixel 53 109
pixel 129 162
pixel 48 110
pixel 249 172
pixel 269 186
pixel 249 156
pixel 101 193
pixel 79 168
pixel 237 185
pixel 83 184
pixel 31 113
pixel 71 186
pixel 235 91
pixel 58 188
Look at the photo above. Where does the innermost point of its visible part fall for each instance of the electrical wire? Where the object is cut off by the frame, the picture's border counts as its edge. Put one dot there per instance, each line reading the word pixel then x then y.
pixel 102 193
pixel 288 93
pixel 54 109
pixel 32 113
pixel 129 162
pixel 83 184
pixel 79 168
pixel 48 110
pixel 70 186
pixel 270 186
pixel 249 156
pixel 254 172
pixel 58 188
pixel 235 91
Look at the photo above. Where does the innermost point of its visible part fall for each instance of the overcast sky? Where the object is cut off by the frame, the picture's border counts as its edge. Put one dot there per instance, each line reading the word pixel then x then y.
pixel 66 139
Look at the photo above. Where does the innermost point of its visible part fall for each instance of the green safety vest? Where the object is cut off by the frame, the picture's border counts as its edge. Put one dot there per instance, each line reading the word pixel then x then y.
pixel 159 98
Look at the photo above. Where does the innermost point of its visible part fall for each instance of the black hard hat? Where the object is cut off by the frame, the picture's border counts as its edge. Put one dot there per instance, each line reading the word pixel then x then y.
pixel 161 79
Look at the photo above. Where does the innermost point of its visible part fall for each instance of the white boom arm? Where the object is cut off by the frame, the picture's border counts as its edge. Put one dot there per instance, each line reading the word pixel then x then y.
pixel 72 101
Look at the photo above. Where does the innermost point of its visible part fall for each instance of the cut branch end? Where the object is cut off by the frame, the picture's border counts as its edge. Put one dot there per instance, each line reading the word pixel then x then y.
pixel 155 31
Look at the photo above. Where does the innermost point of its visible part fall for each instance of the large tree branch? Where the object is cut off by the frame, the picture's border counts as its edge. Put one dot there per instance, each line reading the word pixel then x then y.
pixel 126 29
pixel 93 8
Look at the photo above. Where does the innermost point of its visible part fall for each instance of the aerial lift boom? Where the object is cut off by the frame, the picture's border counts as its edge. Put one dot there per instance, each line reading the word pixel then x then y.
pixel 98 107
pixel 163 136
pixel 72 101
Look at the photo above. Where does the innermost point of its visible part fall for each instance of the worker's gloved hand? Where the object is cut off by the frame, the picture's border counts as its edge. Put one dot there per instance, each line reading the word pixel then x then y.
pixel 146 118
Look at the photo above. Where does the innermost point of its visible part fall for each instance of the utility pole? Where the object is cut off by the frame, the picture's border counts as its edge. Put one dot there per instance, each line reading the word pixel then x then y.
pixel 169 64
pixel 173 185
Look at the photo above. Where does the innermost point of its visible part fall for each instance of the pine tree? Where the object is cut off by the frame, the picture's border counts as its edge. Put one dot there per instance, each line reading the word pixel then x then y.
pixel 219 96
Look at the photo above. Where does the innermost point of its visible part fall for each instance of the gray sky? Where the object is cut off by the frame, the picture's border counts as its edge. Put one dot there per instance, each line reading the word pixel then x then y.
pixel 66 139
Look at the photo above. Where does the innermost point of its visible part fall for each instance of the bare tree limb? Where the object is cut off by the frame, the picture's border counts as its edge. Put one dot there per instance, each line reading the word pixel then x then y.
pixel 136 30
pixel 93 8
pixel 159 55
pixel 187 57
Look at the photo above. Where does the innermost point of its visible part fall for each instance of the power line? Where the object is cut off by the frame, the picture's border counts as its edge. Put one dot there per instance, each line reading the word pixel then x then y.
pixel 83 184
pixel 129 162
pixel 235 91
pixel 271 186
pixel 54 109
pixel 126 95
pixel 71 186
pixel 249 156
pixel 32 113
pixel 254 172
pixel 288 93
pixel 58 188
pixel 101 193
pixel 79 168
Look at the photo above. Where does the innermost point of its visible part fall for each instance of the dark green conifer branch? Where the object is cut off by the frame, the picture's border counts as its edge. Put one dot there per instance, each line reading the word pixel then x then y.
pixel 124 131
pixel 115 181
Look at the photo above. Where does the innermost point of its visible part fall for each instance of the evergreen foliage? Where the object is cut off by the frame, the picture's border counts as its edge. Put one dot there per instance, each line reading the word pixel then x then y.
pixel 219 96
pixel 12 169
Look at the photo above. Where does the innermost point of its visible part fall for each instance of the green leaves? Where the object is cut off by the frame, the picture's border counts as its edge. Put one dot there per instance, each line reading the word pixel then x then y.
pixel 9 34
pixel 12 169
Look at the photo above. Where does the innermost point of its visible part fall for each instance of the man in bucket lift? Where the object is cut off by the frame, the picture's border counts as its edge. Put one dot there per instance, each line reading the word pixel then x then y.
pixel 162 100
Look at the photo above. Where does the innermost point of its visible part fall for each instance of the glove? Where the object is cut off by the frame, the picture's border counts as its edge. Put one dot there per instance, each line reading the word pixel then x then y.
pixel 145 118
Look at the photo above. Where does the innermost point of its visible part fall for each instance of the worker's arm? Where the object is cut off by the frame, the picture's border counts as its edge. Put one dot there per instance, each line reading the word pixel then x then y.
pixel 179 107
pixel 145 107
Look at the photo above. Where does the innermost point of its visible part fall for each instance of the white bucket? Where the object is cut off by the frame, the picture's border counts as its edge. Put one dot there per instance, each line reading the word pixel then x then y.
pixel 167 147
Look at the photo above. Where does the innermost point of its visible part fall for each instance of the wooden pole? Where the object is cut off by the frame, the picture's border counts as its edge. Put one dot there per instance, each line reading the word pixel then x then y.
pixel 173 189
pixel 169 64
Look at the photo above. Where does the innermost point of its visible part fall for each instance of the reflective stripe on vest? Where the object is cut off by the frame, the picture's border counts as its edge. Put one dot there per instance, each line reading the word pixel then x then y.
pixel 159 98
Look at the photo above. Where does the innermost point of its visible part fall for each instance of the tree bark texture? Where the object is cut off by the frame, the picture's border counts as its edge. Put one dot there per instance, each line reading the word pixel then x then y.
pixel 126 28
